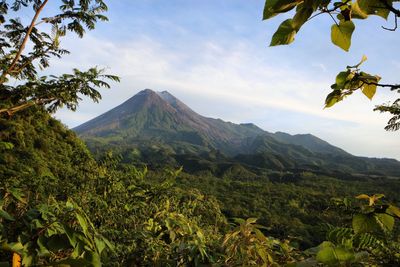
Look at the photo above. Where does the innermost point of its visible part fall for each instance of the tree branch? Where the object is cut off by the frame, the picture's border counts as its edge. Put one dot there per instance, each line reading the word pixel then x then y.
pixel 29 61
pixel 391 86
pixel 326 10
pixel 395 25
pixel 390 7
pixel 27 104
pixel 22 47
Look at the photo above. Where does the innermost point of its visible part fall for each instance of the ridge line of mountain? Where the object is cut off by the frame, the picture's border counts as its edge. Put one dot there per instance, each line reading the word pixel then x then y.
pixel 152 119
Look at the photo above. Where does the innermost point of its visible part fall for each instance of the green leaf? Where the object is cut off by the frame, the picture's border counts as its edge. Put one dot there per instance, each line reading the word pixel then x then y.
pixel 274 7
pixel 393 210
pixel 341 34
pixel 363 59
pixel 369 90
pixel 329 254
pixel 285 33
pixel 374 7
pixel 17 194
pixel 108 243
pixel 385 221
pixel 251 220
pixel 332 98
pixel 27 260
pixel 239 220
pixel 83 223
pixel 15 247
pixel 100 245
pixel 369 85
pixel 357 12
pixel 363 196
pixel 6 146
pixel 42 248
pixel 341 79
pixel 302 15
pixel 364 223
pixel 6 215
pixel 92 258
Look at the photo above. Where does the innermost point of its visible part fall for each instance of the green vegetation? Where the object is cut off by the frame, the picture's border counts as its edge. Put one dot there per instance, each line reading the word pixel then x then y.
pixel 22 64
pixel 61 205
pixel 342 13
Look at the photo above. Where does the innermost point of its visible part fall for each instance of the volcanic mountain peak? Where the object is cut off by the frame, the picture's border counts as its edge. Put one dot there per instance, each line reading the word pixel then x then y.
pixel 167 96
pixel 158 119
pixel 160 115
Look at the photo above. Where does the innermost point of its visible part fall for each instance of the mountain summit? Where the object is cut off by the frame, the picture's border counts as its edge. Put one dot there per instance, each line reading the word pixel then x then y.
pixel 161 116
pixel 158 120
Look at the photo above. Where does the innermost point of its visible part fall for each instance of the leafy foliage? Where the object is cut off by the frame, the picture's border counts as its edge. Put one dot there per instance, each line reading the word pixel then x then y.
pixel 22 64
pixel 48 232
pixel 342 29
pixel 60 207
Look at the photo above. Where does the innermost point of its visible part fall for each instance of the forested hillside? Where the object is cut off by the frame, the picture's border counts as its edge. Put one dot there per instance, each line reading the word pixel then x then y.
pixel 57 198
pixel 153 183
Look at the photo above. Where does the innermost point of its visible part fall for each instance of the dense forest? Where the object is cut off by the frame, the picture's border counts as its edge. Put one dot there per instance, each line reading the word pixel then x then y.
pixel 61 205
pixel 105 200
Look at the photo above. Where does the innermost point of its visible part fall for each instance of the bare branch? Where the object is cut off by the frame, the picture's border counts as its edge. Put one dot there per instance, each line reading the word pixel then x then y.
pixel 395 25
pixel 391 86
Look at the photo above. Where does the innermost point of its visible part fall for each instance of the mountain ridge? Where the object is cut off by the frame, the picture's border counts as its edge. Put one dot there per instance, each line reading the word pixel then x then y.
pixel 158 119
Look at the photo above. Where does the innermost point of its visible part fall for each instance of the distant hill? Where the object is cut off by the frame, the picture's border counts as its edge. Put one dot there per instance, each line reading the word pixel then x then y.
pixel 161 123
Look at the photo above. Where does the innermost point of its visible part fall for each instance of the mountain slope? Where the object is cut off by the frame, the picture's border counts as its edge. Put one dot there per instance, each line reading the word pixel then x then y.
pixel 310 142
pixel 160 116
pixel 160 123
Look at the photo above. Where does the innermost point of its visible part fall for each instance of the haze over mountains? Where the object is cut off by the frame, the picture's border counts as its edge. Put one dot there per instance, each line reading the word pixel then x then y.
pixel 159 121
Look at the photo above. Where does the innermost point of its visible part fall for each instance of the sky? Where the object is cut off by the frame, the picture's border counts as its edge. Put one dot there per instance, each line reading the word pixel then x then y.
pixel 214 55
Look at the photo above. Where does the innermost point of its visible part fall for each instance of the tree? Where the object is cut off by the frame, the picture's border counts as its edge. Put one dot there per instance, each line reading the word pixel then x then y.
pixel 26 49
pixel 342 13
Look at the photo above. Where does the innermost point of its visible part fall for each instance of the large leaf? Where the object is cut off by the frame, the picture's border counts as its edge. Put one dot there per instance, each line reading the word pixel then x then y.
pixel 370 84
pixel 385 221
pixel 100 244
pixel 341 78
pixel 83 223
pixel 303 13
pixel 374 7
pixel 364 223
pixel 393 210
pixel 330 254
pixel 274 7
pixel 341 34
pixel 369 90
pixel 285 33
pixel 357 12
pixel 332 98
pixel 92 258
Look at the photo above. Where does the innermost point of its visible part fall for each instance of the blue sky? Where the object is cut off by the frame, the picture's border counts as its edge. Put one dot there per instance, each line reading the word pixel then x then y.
pixel 214 56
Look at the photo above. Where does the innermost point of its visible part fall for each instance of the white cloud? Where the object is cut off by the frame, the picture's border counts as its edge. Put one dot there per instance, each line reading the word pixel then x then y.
pixel 234 83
